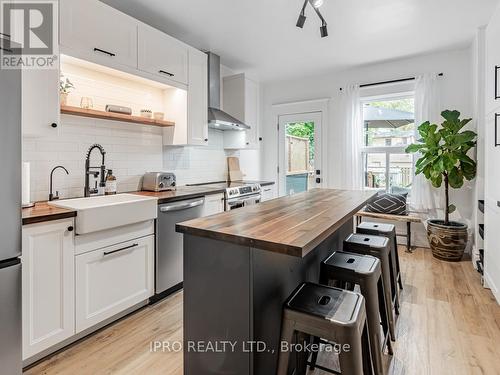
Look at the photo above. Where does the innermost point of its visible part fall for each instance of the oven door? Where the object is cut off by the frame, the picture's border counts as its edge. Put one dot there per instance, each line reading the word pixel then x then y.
pixel 232 204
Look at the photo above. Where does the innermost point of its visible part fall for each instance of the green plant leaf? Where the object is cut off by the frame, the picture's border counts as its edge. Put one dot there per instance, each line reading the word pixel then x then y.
pixel 436 180
pixel 414 148
pixel 468 170
pixel 451 208
pixel 451 116
pixel 456 178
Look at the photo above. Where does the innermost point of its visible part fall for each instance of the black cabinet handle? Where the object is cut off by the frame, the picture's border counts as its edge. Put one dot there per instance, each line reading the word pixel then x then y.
pixel 118 250
pixel 54 125
pixel 167 73
pixel 248 143
pixel 6 49
pixel 497 115
pixel 496 82
pixel 70 228
pixel 206 139
pixel 260 138
pixel 105 52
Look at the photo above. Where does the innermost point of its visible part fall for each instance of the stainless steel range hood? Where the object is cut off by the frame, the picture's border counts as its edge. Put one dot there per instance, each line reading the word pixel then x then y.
pixel 218 119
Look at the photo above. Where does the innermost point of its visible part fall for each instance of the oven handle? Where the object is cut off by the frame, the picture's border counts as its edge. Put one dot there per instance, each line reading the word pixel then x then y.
pixel 245 198
pixel 182 206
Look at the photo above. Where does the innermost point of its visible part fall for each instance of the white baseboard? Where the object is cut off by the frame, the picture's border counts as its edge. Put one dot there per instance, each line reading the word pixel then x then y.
pixel 492 286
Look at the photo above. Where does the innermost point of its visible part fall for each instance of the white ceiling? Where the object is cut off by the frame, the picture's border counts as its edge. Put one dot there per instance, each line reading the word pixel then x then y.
pixel 260 37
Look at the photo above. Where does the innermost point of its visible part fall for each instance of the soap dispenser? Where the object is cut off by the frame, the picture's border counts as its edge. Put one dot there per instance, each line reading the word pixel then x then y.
pixel 110 183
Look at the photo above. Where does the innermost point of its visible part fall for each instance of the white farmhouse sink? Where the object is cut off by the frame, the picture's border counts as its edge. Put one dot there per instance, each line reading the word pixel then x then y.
pixel 109 211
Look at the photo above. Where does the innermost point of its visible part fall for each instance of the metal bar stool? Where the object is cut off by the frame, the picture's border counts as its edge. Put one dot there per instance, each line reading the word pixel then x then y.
pixel 380 248
pixel 335 314
pixel 365 271
pixel 389 231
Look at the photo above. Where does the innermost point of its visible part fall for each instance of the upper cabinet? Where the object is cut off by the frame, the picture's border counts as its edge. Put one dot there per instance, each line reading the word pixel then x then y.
pixel 40 102
pixel 96 32
pixel 241 100
pixel 162 55
pixel 197 106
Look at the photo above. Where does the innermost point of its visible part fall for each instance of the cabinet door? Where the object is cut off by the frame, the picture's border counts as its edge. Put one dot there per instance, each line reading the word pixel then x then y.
pixel 162 55
pixel 40 101
pixel 198 98
pixel 252 113
pixel 492 61
pixel 112 279
pixel 214 204
pixel 97 32
pixel 268 192
pixel 48 285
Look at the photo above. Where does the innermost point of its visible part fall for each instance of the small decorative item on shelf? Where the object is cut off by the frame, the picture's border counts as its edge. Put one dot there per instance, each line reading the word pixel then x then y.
pixel 158 115
pixel 146 113
pixel 86 103
pixel 65 86
pixel 118 109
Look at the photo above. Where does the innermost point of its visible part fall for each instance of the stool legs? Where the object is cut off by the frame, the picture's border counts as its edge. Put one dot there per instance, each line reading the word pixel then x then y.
pixel 386 277
pixel 353 359
pixel 398 267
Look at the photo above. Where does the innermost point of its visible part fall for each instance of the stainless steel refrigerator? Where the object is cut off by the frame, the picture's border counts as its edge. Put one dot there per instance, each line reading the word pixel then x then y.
pixel 10 220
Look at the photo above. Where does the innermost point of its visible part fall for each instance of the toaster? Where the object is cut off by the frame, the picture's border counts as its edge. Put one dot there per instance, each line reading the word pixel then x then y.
pixel 158 181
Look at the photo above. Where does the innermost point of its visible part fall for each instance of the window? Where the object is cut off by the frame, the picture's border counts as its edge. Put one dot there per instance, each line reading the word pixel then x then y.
pixel 388 127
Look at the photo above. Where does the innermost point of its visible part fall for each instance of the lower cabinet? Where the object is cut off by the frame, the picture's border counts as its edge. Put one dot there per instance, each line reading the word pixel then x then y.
pixel 112 279
pixel 214 204
pixel 268 192
pixel 47 285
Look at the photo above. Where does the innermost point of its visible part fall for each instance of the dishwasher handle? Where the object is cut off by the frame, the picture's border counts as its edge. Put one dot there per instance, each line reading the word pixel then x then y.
pixel 182 205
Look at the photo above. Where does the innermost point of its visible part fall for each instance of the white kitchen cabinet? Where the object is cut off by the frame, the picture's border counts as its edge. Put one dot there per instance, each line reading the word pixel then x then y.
pixel 241 100
pixel 197 107
pixel 492 61
pixel 47 285
pixel 268 192
pixel 112 279
pixel 40 102
pixel 162 55
pixel 214 204
pixel 97 32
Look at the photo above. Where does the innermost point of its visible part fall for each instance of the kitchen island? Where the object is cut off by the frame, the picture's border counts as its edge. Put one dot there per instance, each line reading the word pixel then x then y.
pixel 241 265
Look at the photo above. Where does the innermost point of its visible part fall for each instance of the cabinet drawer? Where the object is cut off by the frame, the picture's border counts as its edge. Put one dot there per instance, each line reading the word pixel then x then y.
pixel 99 33
pixel 162 55
pixel 112 279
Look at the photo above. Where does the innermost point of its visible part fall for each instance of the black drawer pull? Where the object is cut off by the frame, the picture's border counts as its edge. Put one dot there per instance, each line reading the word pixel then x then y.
pixel 497 115
pixel 123 248
pixel 8 50
pixel 167 73
pixel 70 228
pixel 105 52
pixel 496 82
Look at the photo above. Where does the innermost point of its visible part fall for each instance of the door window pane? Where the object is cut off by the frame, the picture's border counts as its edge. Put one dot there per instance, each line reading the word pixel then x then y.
pixel 375 170
pixel 299 157
pixel 400 173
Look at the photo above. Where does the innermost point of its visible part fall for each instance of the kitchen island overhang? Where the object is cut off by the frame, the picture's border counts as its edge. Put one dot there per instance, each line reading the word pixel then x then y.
pixel 240 266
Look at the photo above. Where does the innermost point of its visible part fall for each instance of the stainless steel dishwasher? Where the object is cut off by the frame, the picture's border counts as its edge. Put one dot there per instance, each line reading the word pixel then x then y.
pixel 169 253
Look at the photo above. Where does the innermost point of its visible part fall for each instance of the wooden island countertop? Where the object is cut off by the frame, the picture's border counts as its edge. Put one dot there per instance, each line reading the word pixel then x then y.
pixel 292 225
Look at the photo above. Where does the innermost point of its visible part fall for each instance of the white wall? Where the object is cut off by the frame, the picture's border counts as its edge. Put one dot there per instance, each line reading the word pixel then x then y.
pixel 456 94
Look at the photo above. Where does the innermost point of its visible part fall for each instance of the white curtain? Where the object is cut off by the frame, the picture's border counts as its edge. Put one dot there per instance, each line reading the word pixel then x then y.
pixel 423 197
pixel 350 127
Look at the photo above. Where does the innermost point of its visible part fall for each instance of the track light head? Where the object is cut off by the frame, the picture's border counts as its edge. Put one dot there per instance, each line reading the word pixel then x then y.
pixel 323 30
pixel 301 21
pixel 316 3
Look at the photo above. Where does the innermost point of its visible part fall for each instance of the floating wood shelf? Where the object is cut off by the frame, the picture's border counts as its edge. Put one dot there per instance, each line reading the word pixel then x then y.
pixel 76 111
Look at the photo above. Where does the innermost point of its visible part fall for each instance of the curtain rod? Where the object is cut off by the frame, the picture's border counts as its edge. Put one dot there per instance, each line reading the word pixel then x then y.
pixel 393 81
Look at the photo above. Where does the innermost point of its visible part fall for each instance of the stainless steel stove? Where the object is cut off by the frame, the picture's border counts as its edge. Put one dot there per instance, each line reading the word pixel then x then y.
pixel 241 196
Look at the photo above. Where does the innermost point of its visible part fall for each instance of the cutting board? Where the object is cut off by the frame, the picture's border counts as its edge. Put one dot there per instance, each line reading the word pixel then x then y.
pixel 233 166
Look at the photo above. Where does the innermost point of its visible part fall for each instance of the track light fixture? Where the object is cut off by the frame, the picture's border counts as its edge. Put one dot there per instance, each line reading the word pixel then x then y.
pixel 315 4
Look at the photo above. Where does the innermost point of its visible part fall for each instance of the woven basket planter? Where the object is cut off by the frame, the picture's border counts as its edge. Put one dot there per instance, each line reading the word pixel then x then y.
pixel 448 242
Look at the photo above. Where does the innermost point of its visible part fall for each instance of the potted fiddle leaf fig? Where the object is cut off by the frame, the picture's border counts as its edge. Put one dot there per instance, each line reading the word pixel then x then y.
pixel 443 159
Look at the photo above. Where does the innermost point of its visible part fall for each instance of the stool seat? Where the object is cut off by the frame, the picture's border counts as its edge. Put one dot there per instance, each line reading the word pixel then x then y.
pixel 320 301
pixel 367 241
pixel 355 263
pixel 376 227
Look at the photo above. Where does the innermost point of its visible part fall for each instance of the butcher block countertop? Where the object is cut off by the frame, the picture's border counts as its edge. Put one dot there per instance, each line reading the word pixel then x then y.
pixel 292 225
pixel 43 212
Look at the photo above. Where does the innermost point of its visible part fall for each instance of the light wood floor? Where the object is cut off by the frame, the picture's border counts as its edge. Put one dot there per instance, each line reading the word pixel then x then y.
pixel 448 324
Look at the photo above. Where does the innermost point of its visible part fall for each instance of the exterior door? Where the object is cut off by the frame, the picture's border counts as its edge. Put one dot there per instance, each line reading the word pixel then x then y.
pixel 299 151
